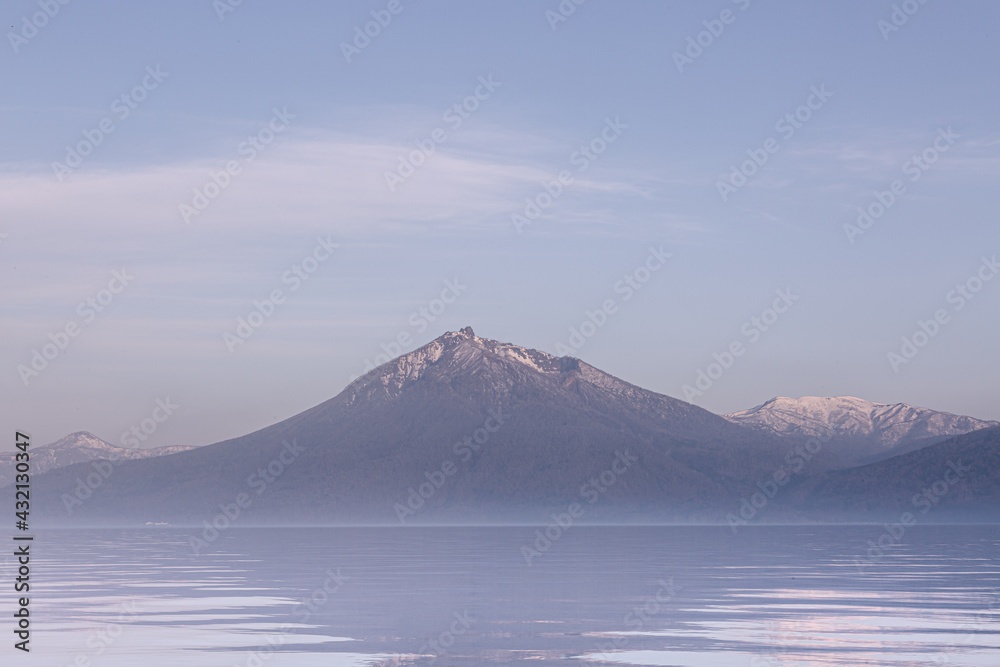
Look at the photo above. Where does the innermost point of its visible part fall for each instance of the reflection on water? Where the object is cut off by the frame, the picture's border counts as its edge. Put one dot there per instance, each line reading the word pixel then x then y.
pixel 463 596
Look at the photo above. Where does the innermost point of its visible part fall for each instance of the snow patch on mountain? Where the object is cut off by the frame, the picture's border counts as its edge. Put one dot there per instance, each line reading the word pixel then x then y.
pixel 79 447
pixel 465 351
pixel 849 416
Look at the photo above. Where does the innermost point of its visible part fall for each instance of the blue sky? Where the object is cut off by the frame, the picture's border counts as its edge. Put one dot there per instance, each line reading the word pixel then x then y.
pixel 200 89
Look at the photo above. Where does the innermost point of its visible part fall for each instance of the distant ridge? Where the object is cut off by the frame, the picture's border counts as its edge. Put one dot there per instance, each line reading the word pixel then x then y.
pixel 863 431
pixel 79 447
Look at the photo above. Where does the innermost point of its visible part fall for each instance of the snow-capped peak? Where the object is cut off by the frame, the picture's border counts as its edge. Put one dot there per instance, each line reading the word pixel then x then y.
pixel 464 350
pixel 854 417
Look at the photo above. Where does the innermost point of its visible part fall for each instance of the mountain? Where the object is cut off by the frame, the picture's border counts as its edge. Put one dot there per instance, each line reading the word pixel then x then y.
pixel 487 431
pixel 79 447
pixel 861 431
pixel 954 480
pixel 471 430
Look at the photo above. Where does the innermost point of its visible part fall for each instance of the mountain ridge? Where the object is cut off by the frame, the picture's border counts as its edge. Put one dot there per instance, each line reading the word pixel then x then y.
pixel 461 429
pixel 78 447
pixel 863 431
pixel 364 449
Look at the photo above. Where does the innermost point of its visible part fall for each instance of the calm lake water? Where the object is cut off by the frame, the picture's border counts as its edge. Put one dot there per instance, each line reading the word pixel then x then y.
pixel 693 596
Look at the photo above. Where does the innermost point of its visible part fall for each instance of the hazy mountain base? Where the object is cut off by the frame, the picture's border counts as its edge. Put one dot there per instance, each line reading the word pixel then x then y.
pixel 469 430
pixel 957 481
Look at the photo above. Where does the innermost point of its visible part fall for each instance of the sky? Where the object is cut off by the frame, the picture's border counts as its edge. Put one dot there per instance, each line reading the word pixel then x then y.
pixel 720 201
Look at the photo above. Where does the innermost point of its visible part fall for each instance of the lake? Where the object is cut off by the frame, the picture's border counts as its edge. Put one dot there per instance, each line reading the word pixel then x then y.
pixel 767 595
